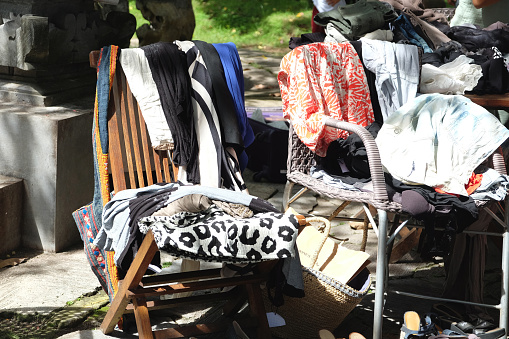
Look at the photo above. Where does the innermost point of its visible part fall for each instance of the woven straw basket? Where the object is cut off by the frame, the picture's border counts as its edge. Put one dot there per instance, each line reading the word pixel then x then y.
pixel 326 303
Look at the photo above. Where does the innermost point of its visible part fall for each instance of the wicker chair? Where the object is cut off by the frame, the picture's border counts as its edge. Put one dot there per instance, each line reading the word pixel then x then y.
pixel 300 160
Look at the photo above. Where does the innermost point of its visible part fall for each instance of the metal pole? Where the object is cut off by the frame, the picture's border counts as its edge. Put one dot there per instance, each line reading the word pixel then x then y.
pixel 504 299
pixel 381 265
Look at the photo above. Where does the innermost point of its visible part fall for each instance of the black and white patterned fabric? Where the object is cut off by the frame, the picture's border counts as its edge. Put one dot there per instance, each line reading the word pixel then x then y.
pixel 214 235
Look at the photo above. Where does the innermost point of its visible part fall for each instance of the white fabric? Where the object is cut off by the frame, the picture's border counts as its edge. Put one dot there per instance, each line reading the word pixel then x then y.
pixel 207 154
pixel 438 140
pixel 333 34
pixel 396 67
pixel 454 77
pixel 138 75
pixel 466 13
pixel 380 34
pixel 323 6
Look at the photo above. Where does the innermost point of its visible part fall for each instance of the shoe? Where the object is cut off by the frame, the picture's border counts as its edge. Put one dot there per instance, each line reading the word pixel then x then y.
pixel 482 324
pixel 413 327
pixel 491 334
pixel 446 315
pixel 355 335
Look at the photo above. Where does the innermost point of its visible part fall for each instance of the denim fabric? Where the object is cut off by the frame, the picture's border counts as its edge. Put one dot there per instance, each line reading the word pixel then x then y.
pixel 438 140
pixel 103 96
pixel 406 27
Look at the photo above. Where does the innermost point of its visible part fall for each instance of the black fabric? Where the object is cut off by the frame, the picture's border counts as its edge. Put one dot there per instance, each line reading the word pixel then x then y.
pixel 268 152
pixel 447 52
pixel 414 204
pixel 223 101
pixel 495 78
pixel 474 39
pixel 371 80
pixel 461 208
pixel 169 69
pixel 306 38
pixel 140 207
pixel 352 151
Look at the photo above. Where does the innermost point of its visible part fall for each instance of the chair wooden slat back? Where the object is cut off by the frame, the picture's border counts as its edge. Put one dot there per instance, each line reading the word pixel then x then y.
pixel 133 161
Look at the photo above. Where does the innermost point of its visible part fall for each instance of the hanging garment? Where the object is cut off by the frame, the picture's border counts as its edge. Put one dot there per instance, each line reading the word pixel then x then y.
pixel 234 75
pixel 89 217
pixel 438 140
pixel 144 89
pixel 223 101
pixel 168 64
pixel 217 167
pixel 323 80
pixel 396 67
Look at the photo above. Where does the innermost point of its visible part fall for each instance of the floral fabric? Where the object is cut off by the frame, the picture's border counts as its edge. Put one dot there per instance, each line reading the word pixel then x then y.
pixel 322 80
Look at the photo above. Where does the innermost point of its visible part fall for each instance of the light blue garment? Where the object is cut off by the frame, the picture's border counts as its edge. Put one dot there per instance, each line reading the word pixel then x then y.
pixel 396 67
pixel 438 140
pixel 331 180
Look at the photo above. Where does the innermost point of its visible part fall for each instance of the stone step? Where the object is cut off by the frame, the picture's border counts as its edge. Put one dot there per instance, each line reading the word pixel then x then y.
pixel 11 203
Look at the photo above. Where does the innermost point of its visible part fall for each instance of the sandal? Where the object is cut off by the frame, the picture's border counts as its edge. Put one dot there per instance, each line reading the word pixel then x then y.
pixel 413 327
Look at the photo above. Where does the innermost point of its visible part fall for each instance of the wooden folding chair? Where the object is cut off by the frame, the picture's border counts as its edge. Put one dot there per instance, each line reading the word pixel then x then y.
pixel 134 163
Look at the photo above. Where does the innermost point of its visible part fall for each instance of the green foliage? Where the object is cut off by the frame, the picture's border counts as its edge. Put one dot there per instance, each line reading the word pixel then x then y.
pixel 140 20
pixel 263 24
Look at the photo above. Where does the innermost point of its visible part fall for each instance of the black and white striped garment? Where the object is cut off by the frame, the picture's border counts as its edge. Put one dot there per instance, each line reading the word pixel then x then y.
pixel 217 167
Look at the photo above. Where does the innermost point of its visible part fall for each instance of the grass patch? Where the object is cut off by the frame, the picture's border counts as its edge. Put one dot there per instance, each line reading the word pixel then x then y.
pixel 264 25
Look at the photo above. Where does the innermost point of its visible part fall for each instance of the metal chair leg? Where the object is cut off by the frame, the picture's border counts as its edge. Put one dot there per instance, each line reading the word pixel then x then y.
pixel 381 274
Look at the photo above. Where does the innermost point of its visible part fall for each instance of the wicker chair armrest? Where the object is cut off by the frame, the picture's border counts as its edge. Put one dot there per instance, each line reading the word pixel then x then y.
pixel 499 162
pixel 374 161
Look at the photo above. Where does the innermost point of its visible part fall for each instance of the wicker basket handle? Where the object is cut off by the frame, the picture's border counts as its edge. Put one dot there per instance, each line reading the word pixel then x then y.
pixel 325 231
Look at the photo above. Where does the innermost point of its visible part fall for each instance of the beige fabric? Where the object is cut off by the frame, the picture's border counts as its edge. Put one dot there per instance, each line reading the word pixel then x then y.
pixel 190 203
pixel 235 210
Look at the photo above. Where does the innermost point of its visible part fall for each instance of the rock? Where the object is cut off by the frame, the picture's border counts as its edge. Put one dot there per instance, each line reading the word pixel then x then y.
pixel 170 20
